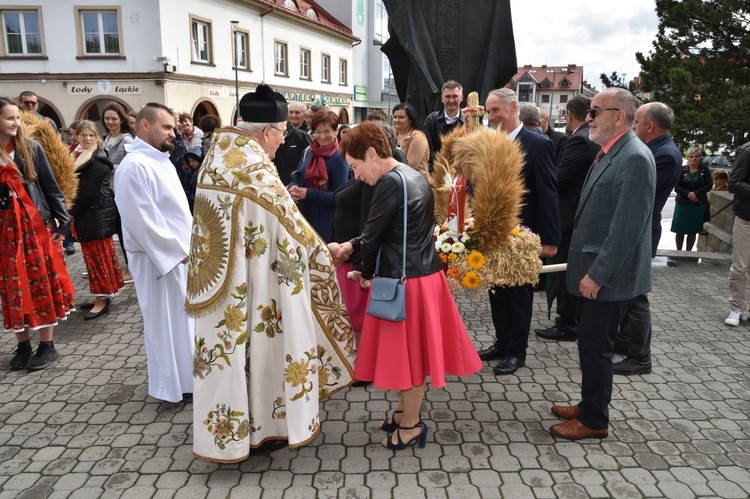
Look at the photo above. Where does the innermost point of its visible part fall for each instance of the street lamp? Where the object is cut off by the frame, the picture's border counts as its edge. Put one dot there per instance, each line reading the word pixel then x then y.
pixel 236 74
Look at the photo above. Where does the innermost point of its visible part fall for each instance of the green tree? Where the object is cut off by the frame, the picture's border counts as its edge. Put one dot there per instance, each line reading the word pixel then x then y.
pixel 700 65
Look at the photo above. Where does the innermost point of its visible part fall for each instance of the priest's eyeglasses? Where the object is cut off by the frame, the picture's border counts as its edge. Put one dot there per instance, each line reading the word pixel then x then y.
pixel 282 130
pixel 595 112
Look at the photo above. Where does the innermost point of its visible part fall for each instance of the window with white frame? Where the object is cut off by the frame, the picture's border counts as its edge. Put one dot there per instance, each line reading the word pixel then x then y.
pixel 242 39
pixel 23 35
pixel 325 68
pixel 100 30
pixel 304 64
pixel 282 59
pixel 201 35
pixel 343 72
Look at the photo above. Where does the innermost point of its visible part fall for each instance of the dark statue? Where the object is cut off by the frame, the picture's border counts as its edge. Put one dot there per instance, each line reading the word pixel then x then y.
pixel 432 41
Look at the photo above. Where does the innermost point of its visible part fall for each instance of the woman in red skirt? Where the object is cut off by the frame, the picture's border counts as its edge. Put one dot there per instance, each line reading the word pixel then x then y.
pixel 35 289
pixel 95 221
pixel 432 341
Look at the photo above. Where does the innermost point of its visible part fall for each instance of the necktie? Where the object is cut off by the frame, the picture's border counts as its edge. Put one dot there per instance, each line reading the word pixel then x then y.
pixel 599 156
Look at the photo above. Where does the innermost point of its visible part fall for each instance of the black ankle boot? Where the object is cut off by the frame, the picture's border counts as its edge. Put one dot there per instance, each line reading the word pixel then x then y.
pixel 45 354
pixel 22 356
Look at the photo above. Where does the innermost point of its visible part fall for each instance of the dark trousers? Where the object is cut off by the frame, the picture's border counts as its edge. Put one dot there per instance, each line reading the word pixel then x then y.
pixel 568 306
pixel 511 316
pixel 635 328
pixel 598 324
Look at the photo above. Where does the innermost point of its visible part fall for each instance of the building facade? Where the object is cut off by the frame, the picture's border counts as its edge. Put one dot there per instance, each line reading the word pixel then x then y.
pixel 549 87
pixel 372 77
pixel 79 55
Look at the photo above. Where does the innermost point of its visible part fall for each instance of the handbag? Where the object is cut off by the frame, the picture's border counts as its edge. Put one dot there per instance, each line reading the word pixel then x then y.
pixel 388 295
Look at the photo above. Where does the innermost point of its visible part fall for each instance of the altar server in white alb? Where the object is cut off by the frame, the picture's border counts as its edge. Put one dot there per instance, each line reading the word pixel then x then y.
pixel 156 224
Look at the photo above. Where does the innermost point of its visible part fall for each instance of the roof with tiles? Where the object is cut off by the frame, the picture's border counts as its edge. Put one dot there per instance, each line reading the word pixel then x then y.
pixel 310 12
pixel 553 74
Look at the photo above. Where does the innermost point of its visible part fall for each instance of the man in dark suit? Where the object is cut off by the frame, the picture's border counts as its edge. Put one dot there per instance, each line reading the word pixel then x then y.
pixel 296 140
pixel 441 122
pixel 652 124
pixel 575 160
pixel 512 306
pixel 559 139
pixel 610 254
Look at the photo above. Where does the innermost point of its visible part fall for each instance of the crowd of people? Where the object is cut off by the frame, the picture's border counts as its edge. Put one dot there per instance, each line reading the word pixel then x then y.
pixel 279 232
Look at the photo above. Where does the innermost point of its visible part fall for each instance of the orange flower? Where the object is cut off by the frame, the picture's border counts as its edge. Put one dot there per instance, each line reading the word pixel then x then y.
pixel 453 272
pixel 471 280
pixel 516 231
pixel 443 257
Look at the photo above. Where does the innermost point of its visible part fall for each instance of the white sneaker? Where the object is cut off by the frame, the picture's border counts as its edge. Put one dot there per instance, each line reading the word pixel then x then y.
pixel 734 318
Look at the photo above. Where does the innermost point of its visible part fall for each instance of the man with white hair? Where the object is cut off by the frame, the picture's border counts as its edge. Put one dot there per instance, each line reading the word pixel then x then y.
pixel 272 335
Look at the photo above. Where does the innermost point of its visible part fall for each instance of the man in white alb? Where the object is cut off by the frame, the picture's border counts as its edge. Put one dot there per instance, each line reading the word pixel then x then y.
pixel 156 224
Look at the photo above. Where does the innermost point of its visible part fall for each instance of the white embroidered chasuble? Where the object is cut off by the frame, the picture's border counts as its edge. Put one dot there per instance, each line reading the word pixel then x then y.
pixel 272 334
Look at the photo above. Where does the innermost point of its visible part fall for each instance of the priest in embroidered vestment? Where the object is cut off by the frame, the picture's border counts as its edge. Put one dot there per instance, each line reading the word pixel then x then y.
pixel 272 334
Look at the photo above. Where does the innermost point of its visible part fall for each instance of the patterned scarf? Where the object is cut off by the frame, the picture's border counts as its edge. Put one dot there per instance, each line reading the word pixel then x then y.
pixel 316 175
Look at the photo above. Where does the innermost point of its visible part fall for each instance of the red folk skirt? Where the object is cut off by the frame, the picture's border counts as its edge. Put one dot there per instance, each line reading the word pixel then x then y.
pixel 35 288
pixel 105 275
pixel 432 341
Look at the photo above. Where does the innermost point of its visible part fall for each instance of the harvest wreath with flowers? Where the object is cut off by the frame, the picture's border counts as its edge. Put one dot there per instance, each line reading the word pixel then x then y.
pixel 487 247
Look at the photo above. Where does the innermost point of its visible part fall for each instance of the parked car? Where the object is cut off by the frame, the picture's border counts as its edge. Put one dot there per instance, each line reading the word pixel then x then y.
pixel 716 162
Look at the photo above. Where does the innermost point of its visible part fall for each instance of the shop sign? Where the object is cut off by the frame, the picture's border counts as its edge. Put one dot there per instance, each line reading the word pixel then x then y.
pixel 104 87
pixel 223 92
pixel 360 93
pixel 311 98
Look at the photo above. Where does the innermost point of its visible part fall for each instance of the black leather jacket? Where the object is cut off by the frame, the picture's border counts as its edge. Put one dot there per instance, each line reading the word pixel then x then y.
pixel 94 211
pixel 385 227
pixel 739 182
pixel 44 191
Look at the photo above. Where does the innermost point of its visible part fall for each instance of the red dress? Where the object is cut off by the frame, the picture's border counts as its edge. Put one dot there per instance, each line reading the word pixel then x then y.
pixel 432 341
pixel 103 266
pixel 35 288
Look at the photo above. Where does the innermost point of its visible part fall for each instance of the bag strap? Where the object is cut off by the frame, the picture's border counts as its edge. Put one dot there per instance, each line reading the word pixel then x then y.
pixel 403 266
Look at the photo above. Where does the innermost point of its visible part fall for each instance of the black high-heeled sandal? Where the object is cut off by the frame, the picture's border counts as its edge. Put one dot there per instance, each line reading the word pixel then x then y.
pixel 421 438
pixel 389 424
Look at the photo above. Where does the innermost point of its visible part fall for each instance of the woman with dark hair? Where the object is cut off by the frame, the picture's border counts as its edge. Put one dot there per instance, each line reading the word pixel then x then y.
pixel 323 170
pixel 208 124
pixel 432 341
pixel 411 139
pixel 343 130
pixel 35 289
pixel 95 221
pixel 119 134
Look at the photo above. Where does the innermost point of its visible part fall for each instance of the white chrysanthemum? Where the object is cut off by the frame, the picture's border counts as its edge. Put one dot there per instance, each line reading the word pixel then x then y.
pixel 438 245
pixel 445 248
pixel 458 247
pixel 436 232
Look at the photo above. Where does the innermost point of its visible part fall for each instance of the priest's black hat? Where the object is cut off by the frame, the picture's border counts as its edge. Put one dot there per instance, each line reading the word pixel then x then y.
pixel 263 106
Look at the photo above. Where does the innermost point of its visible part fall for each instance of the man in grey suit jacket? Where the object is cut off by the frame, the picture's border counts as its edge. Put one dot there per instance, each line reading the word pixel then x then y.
pixel 610 254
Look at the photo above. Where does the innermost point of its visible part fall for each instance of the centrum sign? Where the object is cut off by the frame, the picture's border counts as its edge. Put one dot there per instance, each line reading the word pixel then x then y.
pixel 104 87
pixel 310 97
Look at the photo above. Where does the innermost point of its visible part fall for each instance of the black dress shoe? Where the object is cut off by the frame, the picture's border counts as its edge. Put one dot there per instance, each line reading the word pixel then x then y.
pixel 630 366
pixel 268 447
pixel 88 305
pixel 508 365
pixel 491 353
pixel 553 333
pixel 94 315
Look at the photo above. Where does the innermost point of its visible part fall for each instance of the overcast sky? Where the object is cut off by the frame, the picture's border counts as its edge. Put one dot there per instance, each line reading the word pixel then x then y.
pixel 600 36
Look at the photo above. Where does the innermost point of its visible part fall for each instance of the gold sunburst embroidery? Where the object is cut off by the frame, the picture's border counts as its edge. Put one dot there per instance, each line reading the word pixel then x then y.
pixel 208 247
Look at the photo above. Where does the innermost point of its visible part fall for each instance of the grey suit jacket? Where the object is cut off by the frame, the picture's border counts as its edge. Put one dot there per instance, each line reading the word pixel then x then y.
pixel 611 239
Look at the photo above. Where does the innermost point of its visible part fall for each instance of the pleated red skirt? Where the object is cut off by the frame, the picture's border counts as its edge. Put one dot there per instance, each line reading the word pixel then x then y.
pixel 103 266
pixel 431 342
pixel 355 296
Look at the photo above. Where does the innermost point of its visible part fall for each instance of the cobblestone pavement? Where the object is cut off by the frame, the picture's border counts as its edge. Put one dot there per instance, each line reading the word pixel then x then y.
pixel 85 427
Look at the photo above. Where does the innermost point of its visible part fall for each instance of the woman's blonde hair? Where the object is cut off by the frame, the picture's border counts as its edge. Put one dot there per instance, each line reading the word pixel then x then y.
pixel 89 125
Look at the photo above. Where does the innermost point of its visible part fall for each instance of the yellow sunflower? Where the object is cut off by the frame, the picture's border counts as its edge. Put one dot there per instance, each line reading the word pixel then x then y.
pixel 471 280
pixel 475 260
pixel 452 257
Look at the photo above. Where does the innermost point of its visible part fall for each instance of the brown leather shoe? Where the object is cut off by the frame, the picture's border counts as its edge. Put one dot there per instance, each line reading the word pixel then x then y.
pixel 566 411
pixel 574 430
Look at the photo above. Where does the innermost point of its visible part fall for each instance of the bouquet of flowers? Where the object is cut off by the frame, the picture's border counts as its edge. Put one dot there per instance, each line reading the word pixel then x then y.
pixel 467 267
